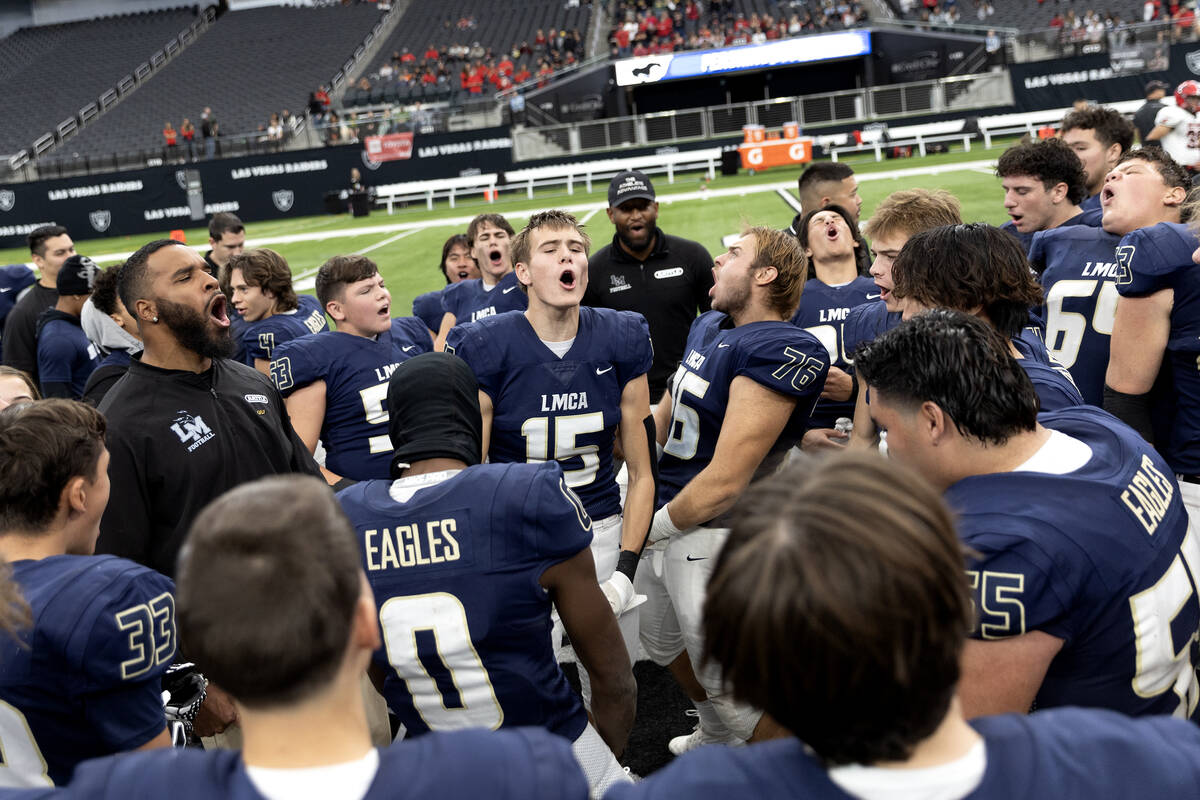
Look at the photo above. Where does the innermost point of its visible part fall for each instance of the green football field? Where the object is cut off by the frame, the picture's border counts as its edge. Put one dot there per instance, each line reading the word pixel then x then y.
pixel 407 244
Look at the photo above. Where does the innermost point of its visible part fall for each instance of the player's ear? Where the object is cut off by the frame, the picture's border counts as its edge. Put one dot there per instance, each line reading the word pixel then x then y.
pixel 75 495
pixel 522 270
pixel 145 311
pixel 1059 192
pixel 933 422
pixel 1175 196
pixel 765 274
pixel 365 624
pixel 334 309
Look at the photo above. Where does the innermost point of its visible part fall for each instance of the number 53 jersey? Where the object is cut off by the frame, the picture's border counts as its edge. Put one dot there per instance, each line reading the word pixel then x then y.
pixel 777 355
pixel 454 560
pixel 85 680
pixel 1101 557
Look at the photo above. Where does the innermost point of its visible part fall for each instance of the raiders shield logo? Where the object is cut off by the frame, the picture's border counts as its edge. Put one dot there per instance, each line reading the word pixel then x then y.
pixel 8 199
pixel 181 179
pixel 368 163
pixel 283 199
pixel 100 220
pixel 1193 61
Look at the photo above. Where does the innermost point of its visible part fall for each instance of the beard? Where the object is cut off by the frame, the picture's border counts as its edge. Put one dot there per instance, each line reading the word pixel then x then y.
pixel 735 300
pixel 192 331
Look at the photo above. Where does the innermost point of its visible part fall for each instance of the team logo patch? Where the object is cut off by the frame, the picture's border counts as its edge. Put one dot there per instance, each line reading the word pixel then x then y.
pixel 618 284
pixel 673 272
pixel 8 199
pixel 283 199
pixel 368 162
pixel 1193 61
pixel 258 400
pixel 1125 259
pixel 192 431
pixel 100 220
pixel 181 178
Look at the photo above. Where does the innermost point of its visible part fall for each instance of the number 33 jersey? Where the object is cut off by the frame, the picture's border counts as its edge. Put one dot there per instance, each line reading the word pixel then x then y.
pixel 85 679
pixel 455 560
pixel 546 407
pixel 1100 557
pixel 356 371
pixel 777 355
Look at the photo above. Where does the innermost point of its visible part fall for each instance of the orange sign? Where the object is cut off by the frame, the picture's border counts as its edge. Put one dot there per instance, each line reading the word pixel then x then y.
pixel 775 153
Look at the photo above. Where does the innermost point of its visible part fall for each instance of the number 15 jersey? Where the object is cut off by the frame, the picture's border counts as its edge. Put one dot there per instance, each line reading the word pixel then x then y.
pixel 777 355
pixel 455 560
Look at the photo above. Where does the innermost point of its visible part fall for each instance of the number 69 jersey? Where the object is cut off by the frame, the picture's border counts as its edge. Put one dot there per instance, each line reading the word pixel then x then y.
pixel 86 678
pixel 567 409
pixel 356 371
pixel 1078 267
pixel 454 560
pixel 1112 572
pixel 777 355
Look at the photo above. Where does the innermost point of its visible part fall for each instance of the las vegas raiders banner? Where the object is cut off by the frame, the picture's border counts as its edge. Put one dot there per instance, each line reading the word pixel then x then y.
pixel 290 184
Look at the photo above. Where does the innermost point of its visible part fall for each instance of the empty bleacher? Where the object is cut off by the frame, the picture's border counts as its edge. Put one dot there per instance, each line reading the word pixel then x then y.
pixel 249 64
pixel 49 73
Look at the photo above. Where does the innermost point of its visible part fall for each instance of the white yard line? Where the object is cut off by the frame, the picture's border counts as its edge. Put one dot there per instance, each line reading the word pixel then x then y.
pixel 589 209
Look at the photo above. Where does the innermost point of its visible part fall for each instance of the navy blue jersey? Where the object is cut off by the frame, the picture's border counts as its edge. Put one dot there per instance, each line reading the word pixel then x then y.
pixel 14 279
pixel 465 765
pixel 1053 384
pixel 1089 218
pixel 1111 572
pixel 259 339
pixel 468 300
pixel 1156 258
pixel 777 355
pixel 823 311
pixel 428 308
pixel 356 371
pixel 1091 203
pixel 65 354
pixel 1078 268
pixel 85 680
pixel 1066 754
pixel 455 568
pixel 864 324
pixel 571 404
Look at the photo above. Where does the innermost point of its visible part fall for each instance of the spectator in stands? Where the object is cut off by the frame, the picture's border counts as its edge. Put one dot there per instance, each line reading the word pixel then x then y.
pixel 208 132
pixel 65 356
pixel 188 131
pixel 110 326
pixel 1043 183
pixel 1143 118
pixel 170 136
pixel 1099 136
pixel 49 247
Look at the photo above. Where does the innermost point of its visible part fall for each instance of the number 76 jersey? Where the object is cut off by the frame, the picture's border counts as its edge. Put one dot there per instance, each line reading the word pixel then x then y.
pixel 1102 558
pixel 777 355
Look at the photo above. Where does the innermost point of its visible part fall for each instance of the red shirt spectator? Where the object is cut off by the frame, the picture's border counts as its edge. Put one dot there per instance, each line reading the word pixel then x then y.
pixel 540 39
pixel 543 74
pixel 692 11
pixel 429 78
pixel 431 53
pixel 522 75
pixel 649 24
pixel 475 84
pixel 187 130
pixel 1186 18
pixel 640 49
pixel 665 26
pixel 170 134
pixel 622 38
pixel 505 66
pixel 322 96
pixel 1056 21
pixel 407 57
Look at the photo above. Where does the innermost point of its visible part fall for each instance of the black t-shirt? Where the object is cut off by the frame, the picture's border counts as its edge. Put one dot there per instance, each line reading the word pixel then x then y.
pixel 1143 119
pixel 669 289
pixel 20 329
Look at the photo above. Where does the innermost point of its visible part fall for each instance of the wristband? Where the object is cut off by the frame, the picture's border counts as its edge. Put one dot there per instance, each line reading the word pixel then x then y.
pixel 627 563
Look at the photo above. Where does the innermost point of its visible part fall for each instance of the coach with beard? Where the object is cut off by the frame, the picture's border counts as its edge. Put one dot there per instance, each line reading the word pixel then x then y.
pixel 185 424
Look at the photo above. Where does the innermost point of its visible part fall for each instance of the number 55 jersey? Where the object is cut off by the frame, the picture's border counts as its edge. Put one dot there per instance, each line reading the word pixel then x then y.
pixel 454 559
pixel 85 680
pixel 777 355
pixel 1090 543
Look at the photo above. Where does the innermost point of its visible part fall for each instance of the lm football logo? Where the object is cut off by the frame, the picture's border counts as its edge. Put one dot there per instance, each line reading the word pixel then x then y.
pixel 192 431
pixel 1125 258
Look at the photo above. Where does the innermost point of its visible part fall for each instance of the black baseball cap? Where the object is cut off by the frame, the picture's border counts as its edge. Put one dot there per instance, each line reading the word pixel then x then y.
pixel 629 185
pixel 1154 86
pixel 77 276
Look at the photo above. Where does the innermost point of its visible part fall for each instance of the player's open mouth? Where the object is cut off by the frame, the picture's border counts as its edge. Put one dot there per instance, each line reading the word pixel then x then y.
pixel 567 279
pixel 496 257
pixel 216 309
pixel 463 274
pixel 1106 194
pixel 884 291
pixel 383 312
pixel 831 232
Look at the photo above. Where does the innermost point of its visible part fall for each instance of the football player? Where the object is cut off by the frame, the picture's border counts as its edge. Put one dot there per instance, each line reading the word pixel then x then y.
pixel 739 401
pixel 335 382
pixel 1082 565
pixel 84 678
pixel 465 561
pixel 1043 183
pixel 281 548
pixel 565 382
pixel 496 289
pixel 980 270
pixel 848 628
pixel 1100 137
pixel 1078 265
pixel 1177 127
pixel 900 215
pixel 273 313
pixel 831 243
pixel 457 265
pixel 1155 339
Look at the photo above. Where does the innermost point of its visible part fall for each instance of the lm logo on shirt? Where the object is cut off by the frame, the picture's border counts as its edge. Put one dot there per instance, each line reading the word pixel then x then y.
pixel 192 431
